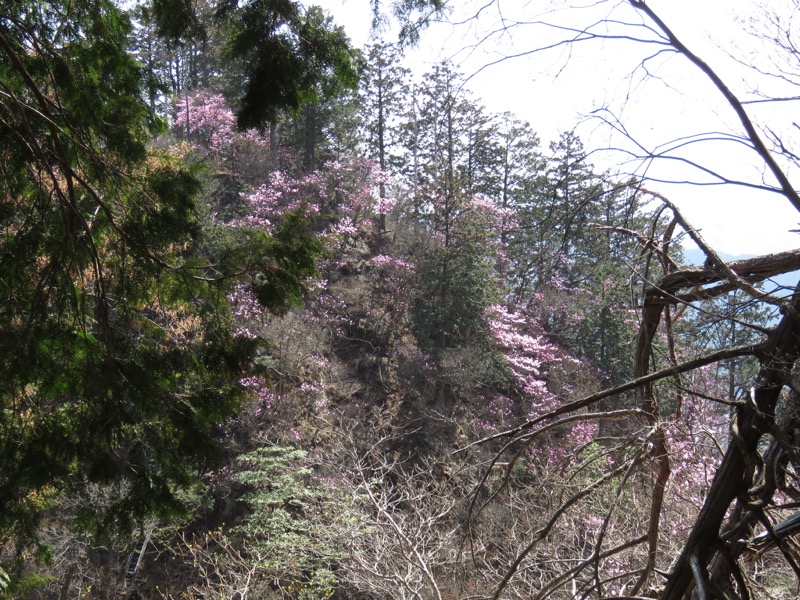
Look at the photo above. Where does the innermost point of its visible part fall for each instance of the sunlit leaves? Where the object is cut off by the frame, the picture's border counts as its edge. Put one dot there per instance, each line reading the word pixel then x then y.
pixel 285 519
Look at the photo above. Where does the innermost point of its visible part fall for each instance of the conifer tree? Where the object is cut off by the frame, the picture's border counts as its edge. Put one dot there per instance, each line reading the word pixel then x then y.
pixel 383 93
pixel 118 352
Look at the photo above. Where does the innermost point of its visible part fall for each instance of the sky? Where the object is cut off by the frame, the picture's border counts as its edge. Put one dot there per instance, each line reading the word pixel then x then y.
pixel 655 98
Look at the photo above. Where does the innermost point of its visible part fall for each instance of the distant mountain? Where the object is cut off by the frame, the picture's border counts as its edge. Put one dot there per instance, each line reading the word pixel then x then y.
pixel 782 283
pixel 696 257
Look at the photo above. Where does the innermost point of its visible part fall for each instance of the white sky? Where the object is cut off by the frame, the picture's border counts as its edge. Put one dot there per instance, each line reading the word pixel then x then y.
pixel 558 89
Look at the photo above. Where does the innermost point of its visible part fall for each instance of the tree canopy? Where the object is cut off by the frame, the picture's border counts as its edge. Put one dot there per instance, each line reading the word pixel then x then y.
pixel 277 336
pixel 118 352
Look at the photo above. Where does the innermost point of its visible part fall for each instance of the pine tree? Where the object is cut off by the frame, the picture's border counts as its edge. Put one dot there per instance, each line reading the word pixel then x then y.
pixel 118 355
pixel 383 93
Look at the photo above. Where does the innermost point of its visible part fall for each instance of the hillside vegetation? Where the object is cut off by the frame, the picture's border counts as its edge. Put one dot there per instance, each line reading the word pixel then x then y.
pixel 271 334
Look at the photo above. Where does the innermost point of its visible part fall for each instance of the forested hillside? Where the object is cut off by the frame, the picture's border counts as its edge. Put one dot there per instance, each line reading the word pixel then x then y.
pixel 283 319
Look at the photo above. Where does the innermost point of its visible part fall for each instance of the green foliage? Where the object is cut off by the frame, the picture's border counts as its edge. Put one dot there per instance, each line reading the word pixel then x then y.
pixel 270 57
pixel 384 96
pixel 285 525
pixel 456 285
pixel 574 251
pixel 176 20
pixel 287 259
pixel 414 16
pixel 118 365
pixel 118 359
pixel 290 56
pixel 178 49
pixel 22 585
pixel 558 214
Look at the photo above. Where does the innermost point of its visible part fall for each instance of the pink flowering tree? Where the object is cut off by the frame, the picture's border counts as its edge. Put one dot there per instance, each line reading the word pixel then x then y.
pixel 342 194
pixel 332 205
pixel 528 353
pixel 542 374
pixel 207 121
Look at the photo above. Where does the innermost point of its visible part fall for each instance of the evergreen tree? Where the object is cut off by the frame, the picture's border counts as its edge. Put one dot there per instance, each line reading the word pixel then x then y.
pixel 383 94
pixel 572 250
pixel 320 133
pixel 482 171
pixel 519 173
pixel 558 218
pixel 441 148
pixel 174 67
pixel 118 356
pixel 290 56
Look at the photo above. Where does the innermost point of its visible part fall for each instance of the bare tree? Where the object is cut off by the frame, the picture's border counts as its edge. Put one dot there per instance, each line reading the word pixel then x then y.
pixel 400 544
pixel 752 465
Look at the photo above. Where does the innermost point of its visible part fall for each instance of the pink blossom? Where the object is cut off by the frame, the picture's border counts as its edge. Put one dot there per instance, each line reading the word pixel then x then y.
pixel 248 313
pixel 209 122
pixel 207 119
pixel 525 349
pixel 382 260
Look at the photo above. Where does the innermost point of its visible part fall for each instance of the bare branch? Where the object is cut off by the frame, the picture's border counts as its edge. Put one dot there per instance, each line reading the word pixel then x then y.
pixel 783 180
pixel 714 357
